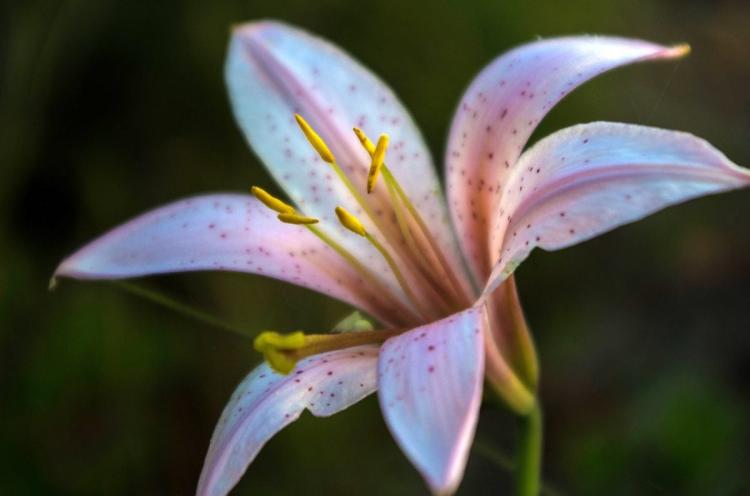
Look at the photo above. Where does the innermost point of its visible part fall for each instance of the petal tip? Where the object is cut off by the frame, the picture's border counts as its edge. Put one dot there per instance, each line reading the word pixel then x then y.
pixel 679 50
pixel 255 28
pixel 62 270
pixel 71 267
pixel 446 486
pixel 412 382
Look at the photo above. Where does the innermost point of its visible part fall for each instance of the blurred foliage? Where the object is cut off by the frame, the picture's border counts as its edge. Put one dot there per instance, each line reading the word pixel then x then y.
pixel 108 108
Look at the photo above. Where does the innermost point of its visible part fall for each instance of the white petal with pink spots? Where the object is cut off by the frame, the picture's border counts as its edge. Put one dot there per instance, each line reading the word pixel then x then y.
pixel 265 402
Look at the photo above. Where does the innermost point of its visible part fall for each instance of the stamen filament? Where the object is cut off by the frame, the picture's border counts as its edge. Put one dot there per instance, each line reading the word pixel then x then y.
pixel 325 153
pixel 389 177
pixel 317 142
pixel 355 193
pixel 283 351
pixel 396 272
pixel 455 283
pixel 418 256
pixel 294 217
pixel 351 222
pixel 364 271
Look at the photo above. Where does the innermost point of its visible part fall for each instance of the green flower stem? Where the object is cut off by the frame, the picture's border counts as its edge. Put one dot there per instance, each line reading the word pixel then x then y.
pixel 505 462
pixel 528 482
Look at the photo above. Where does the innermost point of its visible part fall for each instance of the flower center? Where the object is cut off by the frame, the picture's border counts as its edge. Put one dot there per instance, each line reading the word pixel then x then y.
pixel 430 286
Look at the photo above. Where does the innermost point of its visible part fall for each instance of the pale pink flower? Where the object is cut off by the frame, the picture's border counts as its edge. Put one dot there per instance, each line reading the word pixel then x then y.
pixel 446 325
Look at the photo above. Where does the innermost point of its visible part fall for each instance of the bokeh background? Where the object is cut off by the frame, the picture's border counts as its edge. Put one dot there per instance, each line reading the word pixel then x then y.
pixel 110 107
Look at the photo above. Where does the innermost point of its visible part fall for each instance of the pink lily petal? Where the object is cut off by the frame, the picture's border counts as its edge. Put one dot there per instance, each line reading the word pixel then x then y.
pixel 274 70
pixel 430 389
pixel 588 179
pixel 222 232
pixel 501 109
pixel 266 402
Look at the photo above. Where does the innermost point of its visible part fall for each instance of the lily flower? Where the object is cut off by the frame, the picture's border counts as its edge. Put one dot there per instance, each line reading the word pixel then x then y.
pixel 368 224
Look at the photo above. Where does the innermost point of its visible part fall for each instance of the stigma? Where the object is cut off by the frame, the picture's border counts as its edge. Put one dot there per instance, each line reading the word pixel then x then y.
pixel 283 351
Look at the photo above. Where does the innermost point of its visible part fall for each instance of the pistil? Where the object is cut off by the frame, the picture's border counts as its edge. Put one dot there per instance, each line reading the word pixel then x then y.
pixel 283 351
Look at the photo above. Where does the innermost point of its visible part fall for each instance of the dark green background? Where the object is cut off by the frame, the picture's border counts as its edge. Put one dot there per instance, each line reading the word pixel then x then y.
pixel 108 108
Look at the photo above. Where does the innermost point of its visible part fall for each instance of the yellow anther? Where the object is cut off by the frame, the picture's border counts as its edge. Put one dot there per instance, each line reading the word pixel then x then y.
pixel 350 222
pixel 296 219
pixel 278 349
pixel 369 145
pixel 271 201
pixel 377 162
pixel 315 140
